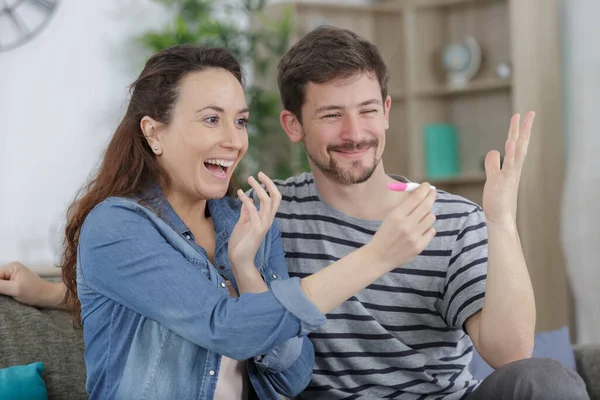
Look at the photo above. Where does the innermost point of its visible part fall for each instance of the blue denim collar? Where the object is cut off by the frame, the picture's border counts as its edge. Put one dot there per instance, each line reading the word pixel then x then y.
pixel 225 211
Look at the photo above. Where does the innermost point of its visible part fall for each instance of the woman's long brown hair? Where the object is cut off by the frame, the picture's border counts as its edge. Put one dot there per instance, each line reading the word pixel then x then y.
pixel 129 166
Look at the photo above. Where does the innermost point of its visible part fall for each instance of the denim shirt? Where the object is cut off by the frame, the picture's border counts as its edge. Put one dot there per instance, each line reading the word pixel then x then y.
pixel 157 315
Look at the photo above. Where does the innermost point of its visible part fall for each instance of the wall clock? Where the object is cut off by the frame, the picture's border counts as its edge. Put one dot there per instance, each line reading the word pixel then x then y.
pixel 22 20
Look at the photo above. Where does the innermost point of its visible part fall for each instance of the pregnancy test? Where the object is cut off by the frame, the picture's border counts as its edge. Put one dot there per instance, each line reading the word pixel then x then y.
pixel 405 187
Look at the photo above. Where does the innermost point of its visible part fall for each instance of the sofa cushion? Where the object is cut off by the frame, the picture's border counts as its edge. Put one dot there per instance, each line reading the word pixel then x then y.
pixel 23 382
pixel 588 366
pixel 30 335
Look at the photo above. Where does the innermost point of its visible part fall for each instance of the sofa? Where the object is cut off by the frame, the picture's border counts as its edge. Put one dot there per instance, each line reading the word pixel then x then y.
pixel 29 335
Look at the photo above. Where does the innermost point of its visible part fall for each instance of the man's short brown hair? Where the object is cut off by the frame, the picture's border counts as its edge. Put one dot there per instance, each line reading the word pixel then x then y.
pixel 326 54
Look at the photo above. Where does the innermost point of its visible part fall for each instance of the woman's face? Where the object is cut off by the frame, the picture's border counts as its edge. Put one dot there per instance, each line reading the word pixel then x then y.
pixel 207 136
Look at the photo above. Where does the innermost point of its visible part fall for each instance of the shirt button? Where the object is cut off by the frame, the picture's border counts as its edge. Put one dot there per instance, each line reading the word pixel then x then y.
pixel 274 276
pixel 188 237
pixel 211 372
pixel 223 284
pixel 221 267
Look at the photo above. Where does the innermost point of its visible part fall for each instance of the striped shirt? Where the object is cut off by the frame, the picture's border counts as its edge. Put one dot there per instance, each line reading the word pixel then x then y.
pixel 402 337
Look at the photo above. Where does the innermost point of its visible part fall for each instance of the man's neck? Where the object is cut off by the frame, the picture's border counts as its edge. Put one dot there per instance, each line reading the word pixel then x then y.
pixel 370 200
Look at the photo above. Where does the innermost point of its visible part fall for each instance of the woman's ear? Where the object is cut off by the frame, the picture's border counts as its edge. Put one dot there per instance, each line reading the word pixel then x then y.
pixel 149 128
pixel 291 126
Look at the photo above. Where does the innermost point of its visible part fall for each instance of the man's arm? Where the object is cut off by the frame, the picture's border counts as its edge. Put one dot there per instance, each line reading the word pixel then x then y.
pixel 504 329
pixel 17 281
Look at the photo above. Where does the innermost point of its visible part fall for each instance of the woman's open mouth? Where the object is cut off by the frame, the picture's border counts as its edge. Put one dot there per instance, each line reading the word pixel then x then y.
pixel 218 167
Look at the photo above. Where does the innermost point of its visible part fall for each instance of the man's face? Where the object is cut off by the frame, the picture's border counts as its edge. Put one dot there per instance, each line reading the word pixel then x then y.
pixel 343 127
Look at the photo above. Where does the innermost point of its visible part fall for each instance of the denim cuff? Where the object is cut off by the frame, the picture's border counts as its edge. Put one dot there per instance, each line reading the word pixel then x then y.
pixel 281 357
pixel 289 293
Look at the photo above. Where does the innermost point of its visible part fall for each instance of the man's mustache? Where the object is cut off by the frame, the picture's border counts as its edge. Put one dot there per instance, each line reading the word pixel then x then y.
pixel 353 146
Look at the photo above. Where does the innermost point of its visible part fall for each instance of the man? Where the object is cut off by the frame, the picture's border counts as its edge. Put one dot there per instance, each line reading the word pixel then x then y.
pixel 411 334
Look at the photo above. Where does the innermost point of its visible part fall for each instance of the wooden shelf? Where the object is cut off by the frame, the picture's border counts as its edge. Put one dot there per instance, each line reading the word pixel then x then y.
pixel 465 179
pixel 474 87
pixel 391 7
pixel 450 3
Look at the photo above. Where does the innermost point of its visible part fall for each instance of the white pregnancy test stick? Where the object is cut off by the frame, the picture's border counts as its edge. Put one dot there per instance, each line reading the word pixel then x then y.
pixel 405 187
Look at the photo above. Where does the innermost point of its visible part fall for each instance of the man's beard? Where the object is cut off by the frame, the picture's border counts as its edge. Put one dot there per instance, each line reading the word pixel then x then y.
pixel 340 175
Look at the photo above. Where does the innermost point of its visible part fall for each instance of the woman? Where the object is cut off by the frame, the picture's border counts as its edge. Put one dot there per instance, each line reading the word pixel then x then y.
pixel 144 240
pixel 183 291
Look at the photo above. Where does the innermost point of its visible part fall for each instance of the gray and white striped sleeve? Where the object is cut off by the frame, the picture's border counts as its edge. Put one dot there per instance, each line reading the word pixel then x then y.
pixel 464 289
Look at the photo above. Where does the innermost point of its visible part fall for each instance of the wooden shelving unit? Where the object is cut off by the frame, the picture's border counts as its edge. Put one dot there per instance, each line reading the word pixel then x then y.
pixel 410 35
pixel 476 87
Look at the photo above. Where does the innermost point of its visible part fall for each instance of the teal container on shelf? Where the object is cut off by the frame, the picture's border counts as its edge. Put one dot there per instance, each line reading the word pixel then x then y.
pixel 441 151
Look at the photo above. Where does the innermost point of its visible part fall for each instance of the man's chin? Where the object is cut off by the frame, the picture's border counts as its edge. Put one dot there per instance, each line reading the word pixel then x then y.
pixel 350 176
pixel 344 171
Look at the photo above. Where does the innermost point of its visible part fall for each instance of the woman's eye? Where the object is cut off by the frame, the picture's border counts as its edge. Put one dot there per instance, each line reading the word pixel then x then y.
pixel 242 122
pixel 212 120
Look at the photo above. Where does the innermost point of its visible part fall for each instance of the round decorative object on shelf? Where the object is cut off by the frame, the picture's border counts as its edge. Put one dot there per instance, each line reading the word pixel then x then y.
pixel 461 61
pixel 22 20
pixel 504 70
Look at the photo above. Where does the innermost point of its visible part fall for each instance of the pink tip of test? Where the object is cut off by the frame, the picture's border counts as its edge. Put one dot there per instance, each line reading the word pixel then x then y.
pixel 404 187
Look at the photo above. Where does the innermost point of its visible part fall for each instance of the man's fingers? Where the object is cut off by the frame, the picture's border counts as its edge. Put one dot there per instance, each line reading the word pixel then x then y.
pixel 513 135
pixel 492 162
pixel 513 129
pixel 509 156
pixel 523 142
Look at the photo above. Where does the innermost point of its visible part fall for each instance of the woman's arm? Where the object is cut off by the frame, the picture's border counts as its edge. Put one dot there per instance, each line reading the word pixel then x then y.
pixel 125 257
pixel 322 288
pixel 288 366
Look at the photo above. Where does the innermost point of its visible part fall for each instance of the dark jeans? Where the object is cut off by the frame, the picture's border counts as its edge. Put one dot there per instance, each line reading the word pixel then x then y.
pixel 532 379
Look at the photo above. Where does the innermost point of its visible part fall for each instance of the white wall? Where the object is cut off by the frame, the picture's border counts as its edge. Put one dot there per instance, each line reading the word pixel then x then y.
pixel 61 96
pixel 581 200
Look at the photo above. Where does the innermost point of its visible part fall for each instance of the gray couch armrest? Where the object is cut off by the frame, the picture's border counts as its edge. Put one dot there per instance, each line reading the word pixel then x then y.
pixel 587 358
pixel 28 334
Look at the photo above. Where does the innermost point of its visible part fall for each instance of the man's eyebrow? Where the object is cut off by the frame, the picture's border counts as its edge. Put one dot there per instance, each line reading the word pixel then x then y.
pixel 330 107
pixel 370 101
pixel 334 107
